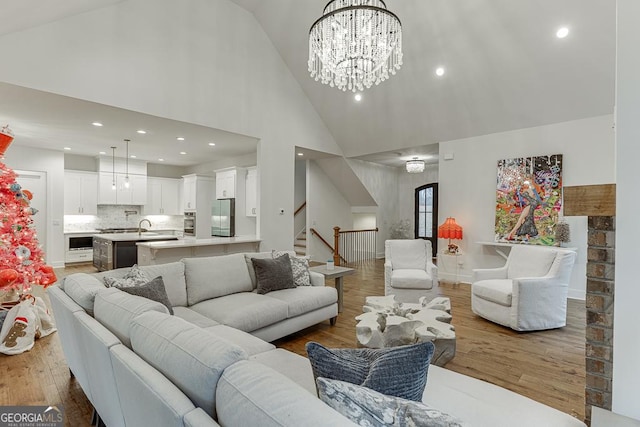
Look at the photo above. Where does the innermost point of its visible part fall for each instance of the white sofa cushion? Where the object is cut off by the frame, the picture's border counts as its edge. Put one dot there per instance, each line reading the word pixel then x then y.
pixel 194 317
pixel 305 298
pixel 83 288
pixel 408 254
pixel 411 279
pixel 246 311
pixel 251 394
pixel 192 358
pixel 252 345
pixel 499 291
pixel 116 309
pixel 252 272
pixel 174 281
pixel 213 277
pixel 525 261
pixel 293 366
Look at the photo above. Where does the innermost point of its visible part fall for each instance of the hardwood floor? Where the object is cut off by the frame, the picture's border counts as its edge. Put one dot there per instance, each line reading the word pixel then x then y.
pixel 547 366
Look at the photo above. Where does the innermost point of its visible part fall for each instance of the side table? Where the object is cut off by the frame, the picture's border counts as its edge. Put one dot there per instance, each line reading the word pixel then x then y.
pixel 338 274
pixel 445 261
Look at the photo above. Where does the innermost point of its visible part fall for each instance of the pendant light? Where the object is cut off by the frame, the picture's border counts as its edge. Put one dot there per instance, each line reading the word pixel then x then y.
pixel 126 178
pixel 113 167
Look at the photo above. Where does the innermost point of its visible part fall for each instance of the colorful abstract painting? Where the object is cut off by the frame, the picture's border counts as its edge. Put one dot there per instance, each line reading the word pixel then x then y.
pixel 528 199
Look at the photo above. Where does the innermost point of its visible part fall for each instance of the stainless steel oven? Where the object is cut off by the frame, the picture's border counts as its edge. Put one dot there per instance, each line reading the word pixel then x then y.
pixel 78 247
pixel 189 223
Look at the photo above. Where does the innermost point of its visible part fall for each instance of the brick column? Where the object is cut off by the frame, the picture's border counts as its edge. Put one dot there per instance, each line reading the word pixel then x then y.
pixel 599 305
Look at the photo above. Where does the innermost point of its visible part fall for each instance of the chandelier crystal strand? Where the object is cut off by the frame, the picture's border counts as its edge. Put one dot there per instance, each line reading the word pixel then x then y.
pixel 355 44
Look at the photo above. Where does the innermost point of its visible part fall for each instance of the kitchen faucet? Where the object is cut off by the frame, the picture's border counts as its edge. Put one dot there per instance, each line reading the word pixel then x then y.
pixel 140 226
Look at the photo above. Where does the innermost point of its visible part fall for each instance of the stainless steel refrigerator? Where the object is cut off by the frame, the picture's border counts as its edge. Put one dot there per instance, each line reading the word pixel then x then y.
pixel 223 221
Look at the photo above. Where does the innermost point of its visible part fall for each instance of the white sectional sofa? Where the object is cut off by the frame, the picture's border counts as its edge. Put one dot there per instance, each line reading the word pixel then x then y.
pixel 138 365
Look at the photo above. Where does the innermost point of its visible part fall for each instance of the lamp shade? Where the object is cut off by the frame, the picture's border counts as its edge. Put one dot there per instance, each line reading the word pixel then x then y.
pixel 450 230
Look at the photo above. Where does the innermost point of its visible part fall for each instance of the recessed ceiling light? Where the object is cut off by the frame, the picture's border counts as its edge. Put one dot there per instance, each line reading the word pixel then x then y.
pixel 161 160
pixel 103 152
pixel 212 144
pixel 98 124
pixel 180 138
pixel 67 148
pixel 562 32
pixel 440 71
pixel 183 152
pixel 133 156
pixel 142 131
pixel 358 97
pixel 300 154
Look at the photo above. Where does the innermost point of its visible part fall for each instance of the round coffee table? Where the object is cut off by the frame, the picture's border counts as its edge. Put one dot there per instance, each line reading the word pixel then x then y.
pixel 388 323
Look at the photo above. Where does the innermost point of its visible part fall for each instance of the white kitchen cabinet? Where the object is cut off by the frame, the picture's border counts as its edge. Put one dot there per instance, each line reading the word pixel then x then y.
pixel 136 194
pixel 251 192
pixel 189 184
pixel 226 184
pixel 162 196
pixel 80 193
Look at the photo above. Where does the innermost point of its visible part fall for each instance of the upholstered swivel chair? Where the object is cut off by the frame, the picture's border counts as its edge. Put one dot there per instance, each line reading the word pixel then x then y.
pixel 409 272
pixel 529 293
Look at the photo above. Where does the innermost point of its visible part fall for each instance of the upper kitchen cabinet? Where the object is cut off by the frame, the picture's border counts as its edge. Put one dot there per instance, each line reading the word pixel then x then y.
pixel 251 192
pixel 226 183
pixel 197 193
pixel 135 194
pixel 80 193
pixel 163 195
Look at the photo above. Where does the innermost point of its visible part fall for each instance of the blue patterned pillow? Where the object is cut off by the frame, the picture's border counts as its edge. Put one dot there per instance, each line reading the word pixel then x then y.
pixel 367 407
pixel 395 371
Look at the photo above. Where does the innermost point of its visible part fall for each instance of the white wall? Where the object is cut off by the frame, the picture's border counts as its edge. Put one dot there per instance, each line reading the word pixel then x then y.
pixel 326 209
pixel 300 195
pixel 467 184
pixel 51 162
pixel 206 62
pixel 382 183
pixel 626 345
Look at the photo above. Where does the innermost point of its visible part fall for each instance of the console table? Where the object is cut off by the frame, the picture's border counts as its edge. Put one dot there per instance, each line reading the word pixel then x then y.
pixel 338 274
pixel 497 245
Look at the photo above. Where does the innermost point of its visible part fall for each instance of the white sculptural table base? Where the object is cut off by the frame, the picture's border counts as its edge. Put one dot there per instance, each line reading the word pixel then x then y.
pixel 387 323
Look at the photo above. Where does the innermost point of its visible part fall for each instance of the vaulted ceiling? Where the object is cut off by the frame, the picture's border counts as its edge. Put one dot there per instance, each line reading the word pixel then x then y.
pixel 505 68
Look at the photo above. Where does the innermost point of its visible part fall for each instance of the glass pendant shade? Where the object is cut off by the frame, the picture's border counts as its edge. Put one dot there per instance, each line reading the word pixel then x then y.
pixel 355 44
pixel 415 165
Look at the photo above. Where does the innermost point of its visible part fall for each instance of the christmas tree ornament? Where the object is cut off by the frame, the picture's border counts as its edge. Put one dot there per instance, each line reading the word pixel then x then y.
pixel 6 137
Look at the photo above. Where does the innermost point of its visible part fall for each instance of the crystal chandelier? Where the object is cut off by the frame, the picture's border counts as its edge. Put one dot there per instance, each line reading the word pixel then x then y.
pixel 415 165
pixel 355 44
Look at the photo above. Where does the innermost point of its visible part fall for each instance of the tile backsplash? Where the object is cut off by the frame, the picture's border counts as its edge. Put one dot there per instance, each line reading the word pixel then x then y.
pixel 121 216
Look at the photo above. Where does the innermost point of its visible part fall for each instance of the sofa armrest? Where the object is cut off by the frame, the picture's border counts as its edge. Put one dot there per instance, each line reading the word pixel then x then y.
pixel 539 303
pixel 316 279
pixel 388 269
pixel 489 273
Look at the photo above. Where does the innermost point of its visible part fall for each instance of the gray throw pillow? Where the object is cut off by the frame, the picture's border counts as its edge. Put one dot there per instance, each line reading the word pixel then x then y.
pixel 135 277
pixel 153 290
pixel 273 274
pixel 299 267
pixel 367 407
pixel 395 371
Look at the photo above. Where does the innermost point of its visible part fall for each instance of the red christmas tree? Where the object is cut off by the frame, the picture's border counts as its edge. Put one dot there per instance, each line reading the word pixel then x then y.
pixel 21 258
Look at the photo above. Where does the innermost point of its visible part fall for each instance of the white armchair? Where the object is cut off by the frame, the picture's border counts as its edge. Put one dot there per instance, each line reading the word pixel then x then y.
pixel 409 272
pixel 529 293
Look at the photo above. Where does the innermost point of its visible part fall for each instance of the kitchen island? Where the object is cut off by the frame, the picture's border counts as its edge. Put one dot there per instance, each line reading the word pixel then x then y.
pixel 118 250
pixel 151 253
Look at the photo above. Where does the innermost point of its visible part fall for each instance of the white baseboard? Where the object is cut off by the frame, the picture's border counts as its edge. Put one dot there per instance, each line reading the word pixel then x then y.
pixel 59 264
pixel 577 294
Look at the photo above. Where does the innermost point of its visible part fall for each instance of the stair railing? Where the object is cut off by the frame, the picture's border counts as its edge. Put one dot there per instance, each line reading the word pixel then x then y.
pixel 314 232
pixel 354 246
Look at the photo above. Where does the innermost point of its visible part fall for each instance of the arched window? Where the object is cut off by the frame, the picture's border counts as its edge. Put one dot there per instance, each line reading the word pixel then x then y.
pixel 426 214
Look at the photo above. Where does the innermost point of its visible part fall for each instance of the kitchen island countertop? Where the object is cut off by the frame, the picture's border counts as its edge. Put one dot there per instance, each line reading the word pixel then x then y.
pixel 150 253
pixel 130 237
